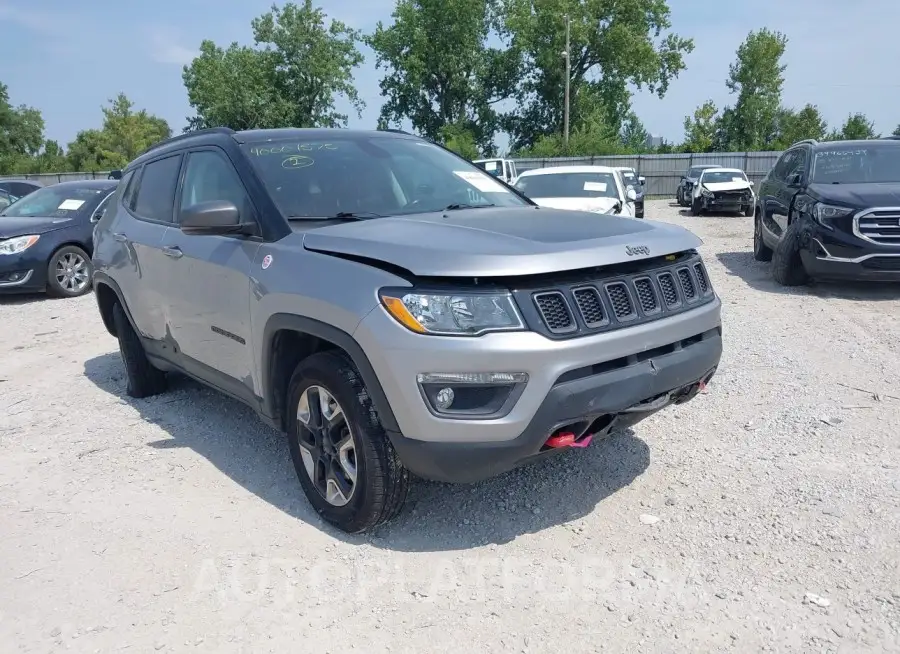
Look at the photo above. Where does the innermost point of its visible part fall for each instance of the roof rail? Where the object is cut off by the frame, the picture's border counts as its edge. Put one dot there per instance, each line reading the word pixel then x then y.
pixel 804 141
pixel 186 135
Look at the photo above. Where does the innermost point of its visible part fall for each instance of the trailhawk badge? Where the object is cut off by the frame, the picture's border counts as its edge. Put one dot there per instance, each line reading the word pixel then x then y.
pixel 632 250
pixel 267 261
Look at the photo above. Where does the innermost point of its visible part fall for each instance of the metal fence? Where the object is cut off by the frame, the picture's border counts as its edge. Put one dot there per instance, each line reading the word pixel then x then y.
pixel 663 171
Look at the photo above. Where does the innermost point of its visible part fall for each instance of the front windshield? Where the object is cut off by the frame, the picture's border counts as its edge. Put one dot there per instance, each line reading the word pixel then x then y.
pixel 65 202
pixel 374 176
pixel 720 176
pixel 569 185
pixel 857 165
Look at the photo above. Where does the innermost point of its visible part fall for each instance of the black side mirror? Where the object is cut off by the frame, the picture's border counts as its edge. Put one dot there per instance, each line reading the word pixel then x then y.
pixel 617 207
pixel 795 180
pixel 114 174
pixel 215 217
pixel 98 216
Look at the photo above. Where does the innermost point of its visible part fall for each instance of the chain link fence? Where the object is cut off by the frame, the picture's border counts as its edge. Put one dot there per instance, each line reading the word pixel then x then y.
pixel 663 171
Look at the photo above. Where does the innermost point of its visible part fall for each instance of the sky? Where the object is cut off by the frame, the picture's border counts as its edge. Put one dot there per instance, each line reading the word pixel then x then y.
pixel 67 59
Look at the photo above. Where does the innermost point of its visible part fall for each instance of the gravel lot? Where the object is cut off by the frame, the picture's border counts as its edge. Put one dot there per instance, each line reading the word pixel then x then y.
pixel 764 515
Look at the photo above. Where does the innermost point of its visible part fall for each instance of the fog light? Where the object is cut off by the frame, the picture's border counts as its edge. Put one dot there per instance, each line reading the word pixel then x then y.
pixel 444 399
pixel 471 394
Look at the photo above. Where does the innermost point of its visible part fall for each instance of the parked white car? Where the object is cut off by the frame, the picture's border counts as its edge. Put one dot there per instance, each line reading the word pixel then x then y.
pixel 599 189
pixel 723 189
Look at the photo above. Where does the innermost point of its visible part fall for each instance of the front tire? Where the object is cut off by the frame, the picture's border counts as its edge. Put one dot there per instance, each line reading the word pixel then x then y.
pixel 696 207
pixel 143 379
pixel 69 272
pixel 748 211
pixel 761 251
pixel 345 461
pixel 787 266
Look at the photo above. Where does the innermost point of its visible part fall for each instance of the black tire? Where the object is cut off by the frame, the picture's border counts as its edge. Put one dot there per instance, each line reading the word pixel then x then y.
pixel 143 379
pixel 678 197
pixel 787 266
pixel 748 211
pixel 382 483
pixel 761 251
pixel 76 284
pixel 696 208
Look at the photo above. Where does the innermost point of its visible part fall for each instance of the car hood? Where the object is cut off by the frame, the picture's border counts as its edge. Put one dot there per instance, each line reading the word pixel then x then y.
pixel 601 205
pixel 727 186
pixel 858 195
pixel 11 227
pixel 498 242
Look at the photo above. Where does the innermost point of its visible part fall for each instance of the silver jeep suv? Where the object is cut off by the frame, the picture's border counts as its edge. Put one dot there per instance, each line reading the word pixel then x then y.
pixel 393 308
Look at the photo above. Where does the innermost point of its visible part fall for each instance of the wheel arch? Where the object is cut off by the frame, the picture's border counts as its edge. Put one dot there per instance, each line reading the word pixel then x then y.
pixel 108 294
pixel 287 340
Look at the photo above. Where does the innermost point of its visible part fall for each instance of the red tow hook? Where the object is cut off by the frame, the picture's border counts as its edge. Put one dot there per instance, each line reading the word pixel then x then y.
pixel 567 439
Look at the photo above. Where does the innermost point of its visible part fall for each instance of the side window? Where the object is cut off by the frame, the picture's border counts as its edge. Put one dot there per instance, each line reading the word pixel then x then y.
pixel 783 165
pixel 799 165
pixel 127 185
pixel 156 191
pixel 208 177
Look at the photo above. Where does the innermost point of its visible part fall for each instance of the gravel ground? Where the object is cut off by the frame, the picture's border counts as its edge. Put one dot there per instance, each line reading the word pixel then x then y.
pixel 761 516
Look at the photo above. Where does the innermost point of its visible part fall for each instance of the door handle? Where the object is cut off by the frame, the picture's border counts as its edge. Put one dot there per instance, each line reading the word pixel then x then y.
pixel 121 238
pixel 173 251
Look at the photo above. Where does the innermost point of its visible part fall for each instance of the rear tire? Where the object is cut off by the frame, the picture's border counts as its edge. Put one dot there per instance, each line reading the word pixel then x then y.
pixel 761 251
pixel 787 266
pixel 354 492
pixel 143 379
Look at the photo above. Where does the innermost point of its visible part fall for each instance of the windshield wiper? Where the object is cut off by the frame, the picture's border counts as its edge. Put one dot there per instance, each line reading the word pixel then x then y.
pixel 459 205
pixel 341 215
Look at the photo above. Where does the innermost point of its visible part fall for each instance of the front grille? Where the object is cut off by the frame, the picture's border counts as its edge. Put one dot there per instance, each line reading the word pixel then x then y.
pixel 591 306
pixel 732 196
pixel 880 225
pixel 687 284
pixel 667 285
pixel 620 299
pixel 555 312
pixel 882 263
pixel 646 295
pixel 609 300
pixel 702 282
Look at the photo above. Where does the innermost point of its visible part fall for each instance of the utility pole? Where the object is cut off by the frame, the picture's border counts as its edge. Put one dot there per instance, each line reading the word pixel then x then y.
pixel 567 55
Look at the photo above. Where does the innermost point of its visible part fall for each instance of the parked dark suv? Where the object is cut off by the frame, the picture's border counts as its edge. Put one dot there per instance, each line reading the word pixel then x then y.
pixel 831 210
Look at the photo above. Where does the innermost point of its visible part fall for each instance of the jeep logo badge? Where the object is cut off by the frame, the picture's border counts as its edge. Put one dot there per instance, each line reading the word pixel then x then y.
pixel 636 249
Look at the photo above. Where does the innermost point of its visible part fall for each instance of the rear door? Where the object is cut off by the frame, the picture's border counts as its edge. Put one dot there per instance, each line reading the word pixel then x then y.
pixel 131 248
pixel 209 276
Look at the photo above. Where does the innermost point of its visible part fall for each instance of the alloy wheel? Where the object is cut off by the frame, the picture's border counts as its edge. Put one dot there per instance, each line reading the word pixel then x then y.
pixel 72 272
pixel 327 446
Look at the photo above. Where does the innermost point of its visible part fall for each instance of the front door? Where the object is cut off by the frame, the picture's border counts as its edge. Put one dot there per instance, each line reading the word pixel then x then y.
pixel 209 309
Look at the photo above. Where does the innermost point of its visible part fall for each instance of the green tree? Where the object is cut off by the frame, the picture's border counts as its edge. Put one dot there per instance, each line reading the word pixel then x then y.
pixel 796 126
pixel 700 129
pixel 292 76
pixel 757 78
pixel 21 133
pixel 439 70
pixel 125 134
pixel 613 44
pixel 593 136
pixel 896 131
pixel 634 135
pixel 857 126
pixel 459 139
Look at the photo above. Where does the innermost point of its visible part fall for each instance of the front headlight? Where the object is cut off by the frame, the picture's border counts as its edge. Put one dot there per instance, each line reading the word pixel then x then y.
pixel 18 244
pixel 705 191
pixel 457 314
pixel 825 214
